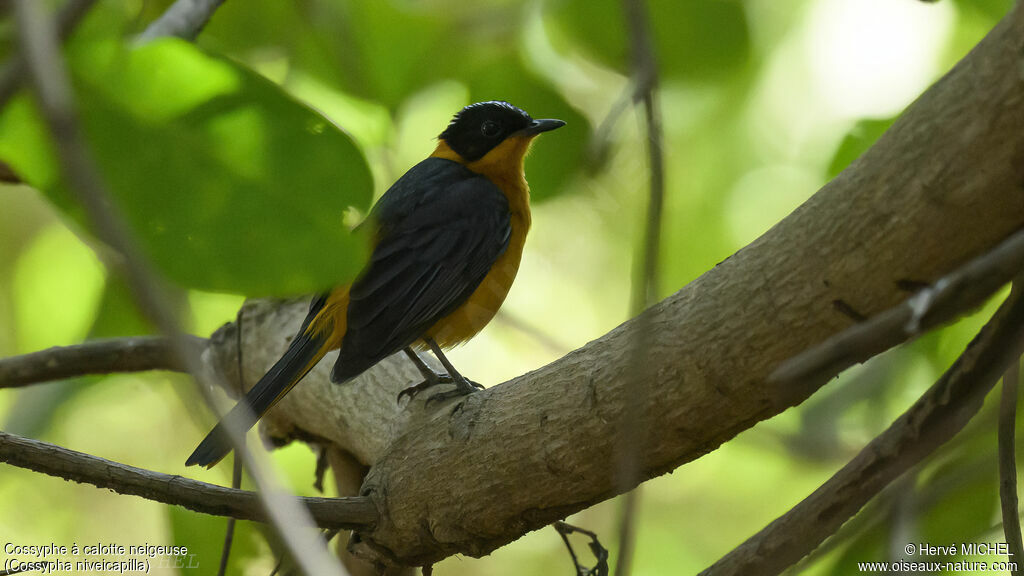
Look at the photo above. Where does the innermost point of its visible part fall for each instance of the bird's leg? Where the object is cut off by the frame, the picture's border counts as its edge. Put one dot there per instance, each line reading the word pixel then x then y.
pixel 430 378
pixel 463 385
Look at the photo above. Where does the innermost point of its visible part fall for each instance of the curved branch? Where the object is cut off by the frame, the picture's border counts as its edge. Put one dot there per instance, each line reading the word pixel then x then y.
pixel 134 354
pixel 349 513
pixel 935 418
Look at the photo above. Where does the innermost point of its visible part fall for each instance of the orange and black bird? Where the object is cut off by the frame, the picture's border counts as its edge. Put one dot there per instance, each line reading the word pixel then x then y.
pixel 447 240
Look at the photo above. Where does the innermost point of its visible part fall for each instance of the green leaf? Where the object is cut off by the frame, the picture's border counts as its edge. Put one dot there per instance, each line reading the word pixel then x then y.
pixel 693 40
pixel 57 285
pixel 228 183
pixel 382 51
pixel 856 142
pixel 992 9
pixel 204 537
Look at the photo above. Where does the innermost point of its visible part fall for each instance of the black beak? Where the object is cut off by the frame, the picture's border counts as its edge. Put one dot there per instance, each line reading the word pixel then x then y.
pixel 544 125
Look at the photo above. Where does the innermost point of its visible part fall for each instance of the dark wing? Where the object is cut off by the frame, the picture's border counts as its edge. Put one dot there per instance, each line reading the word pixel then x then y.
pixel 439 233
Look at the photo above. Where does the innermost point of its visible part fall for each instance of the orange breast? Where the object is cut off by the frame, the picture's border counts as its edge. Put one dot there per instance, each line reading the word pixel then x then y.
pixel 504 166
pixel 483 304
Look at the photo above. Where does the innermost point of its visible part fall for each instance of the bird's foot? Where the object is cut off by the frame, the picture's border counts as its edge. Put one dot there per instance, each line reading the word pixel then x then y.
pixel 433 379
pixel 463 387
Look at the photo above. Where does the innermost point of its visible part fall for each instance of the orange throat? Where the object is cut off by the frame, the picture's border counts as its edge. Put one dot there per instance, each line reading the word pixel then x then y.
pixel 503 165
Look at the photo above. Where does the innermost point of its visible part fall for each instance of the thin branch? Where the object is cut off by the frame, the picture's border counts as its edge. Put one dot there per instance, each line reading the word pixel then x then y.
pixel 1008 462
pixel 39 44
pixel 350 513
pixel 949 298
pixel 236 461
pixel 935 418
pixel 184 19
pixel 601 141
pixel 645 289
pixel 229 532
pixel 596 548
pixel 13 72
pixel 133 354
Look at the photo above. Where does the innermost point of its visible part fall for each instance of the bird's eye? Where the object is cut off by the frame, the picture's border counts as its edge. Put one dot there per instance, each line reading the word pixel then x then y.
pixel 490 128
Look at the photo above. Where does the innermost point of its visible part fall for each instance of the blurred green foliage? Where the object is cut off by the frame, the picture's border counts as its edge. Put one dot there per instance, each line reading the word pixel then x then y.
pixel 207 160
pixel 694 40
pixel 240 162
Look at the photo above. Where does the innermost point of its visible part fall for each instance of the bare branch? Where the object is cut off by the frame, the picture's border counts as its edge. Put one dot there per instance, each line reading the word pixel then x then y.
pixel 184 19
pixel 599 551
pixel 229 532
pixel 1008 458
pixel 350 513
pixel 133 354
pixel 935 418
pixel 949 298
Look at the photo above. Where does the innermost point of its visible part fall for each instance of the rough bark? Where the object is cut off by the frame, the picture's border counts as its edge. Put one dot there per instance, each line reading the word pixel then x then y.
pixel 944 184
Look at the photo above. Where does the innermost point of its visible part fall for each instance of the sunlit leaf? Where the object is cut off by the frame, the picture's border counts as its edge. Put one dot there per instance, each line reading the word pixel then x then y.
pixel 58 282
pixel 994 9
pixel 204 537
pixel 229 184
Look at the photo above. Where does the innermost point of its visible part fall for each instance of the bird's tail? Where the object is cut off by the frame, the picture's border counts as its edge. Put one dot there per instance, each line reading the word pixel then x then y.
pixel 309 346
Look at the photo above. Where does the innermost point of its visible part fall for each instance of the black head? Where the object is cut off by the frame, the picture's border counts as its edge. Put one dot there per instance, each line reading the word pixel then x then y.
pixel 479 127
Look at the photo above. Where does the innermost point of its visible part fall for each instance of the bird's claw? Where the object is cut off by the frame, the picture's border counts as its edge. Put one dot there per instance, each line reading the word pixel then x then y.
pixel 463 387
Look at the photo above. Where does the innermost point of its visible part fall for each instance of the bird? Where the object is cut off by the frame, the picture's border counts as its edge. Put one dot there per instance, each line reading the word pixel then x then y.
pixel 447 241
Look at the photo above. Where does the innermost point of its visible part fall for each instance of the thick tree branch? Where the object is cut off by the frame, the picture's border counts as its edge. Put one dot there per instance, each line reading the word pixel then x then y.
pixel 135 354
pixel 935 418
pixel 948 299
pixel 349 513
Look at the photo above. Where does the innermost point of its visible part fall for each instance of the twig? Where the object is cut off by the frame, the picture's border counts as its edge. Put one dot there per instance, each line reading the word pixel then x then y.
pixel 184 19
pixel 947 299
pixel 350 513
pixel 600 552
pixel 1008 462
pixel 645 292
pixel 13 72
pixel 133 354
pixel 38 43
pixel 935 418
pixel 229 532
pixel 600 141
pixel 236 461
